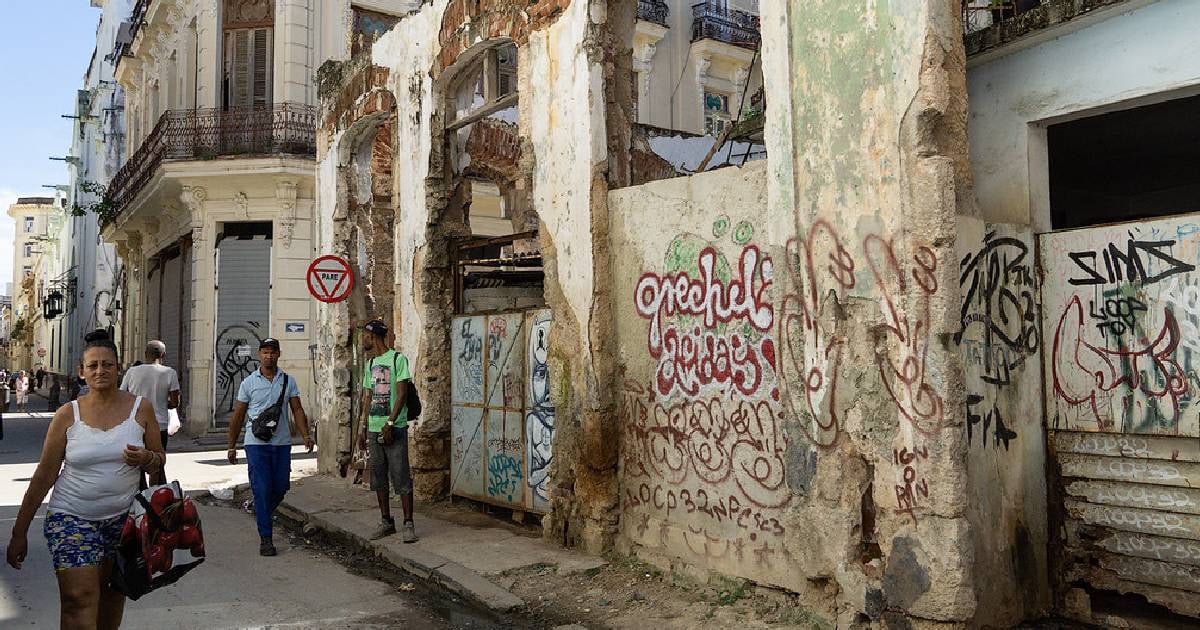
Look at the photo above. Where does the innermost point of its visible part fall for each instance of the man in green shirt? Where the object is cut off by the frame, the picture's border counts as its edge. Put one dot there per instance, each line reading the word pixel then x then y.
pixel 385 431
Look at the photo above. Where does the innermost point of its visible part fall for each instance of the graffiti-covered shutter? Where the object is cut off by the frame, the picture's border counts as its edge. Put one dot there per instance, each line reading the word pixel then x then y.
pixel 1121 310
pixel 243 309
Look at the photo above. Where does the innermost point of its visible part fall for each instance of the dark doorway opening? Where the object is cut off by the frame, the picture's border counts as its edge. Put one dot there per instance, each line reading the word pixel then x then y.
pixel 1132 164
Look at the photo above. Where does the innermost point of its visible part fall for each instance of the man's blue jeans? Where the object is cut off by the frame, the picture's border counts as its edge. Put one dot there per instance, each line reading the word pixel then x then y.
pixel 270 467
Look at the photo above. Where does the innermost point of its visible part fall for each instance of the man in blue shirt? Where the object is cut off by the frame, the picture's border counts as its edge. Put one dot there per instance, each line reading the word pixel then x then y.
pixel 270 461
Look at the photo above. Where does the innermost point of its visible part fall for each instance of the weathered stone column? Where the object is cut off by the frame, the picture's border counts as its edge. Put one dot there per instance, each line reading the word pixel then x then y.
pixel 864 134
pixel 200 313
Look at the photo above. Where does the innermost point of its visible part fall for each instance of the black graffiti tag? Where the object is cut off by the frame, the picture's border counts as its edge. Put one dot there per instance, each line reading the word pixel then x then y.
pixel 991 420
pixel 1129 265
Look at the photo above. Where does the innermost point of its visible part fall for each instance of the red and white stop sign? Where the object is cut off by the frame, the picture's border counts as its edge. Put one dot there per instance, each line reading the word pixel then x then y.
pixel 330 279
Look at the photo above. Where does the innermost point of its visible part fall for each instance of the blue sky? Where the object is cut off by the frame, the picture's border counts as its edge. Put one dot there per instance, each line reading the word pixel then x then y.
pixel 45 46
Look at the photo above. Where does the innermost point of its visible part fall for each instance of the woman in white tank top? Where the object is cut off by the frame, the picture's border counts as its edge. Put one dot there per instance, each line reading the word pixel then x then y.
pixel 95 451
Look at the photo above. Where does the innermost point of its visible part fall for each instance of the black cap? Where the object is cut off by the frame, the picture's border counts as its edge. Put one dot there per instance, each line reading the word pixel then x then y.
pixel 269 342
pixel 376 327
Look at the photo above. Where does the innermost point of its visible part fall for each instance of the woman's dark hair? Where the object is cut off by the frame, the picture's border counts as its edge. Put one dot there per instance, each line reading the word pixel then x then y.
pixel 99 339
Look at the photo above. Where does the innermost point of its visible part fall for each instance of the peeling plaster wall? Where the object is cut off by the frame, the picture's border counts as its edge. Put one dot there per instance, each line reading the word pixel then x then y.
pixel 563 134
pixel 709 469
pixel 564 108
pixel 866 160
pixel 333 406
pixel 1000 344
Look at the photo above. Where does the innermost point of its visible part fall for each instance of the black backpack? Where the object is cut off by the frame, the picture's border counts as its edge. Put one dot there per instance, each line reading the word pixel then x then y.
pixel 412 400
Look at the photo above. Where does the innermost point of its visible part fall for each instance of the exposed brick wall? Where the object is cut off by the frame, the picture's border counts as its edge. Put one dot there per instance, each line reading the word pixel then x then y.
pixel 362 93
pixel 382 154
pixel 648 166
pixel 495 149
pixel 466 22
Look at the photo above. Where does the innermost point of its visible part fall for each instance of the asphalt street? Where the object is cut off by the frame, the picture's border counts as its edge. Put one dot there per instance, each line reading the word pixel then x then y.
pixel 235 588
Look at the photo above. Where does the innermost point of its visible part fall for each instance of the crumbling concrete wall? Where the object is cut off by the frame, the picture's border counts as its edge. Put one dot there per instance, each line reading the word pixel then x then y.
pixel 1000 341
pixel 866 144
pixel 708 477
pixel 564 159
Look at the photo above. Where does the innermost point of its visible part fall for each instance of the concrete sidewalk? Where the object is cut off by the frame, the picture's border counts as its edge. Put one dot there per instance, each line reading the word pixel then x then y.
pixel 458 549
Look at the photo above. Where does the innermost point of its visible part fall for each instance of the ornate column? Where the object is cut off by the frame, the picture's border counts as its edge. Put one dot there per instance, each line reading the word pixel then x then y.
pixel 208 53
pixel 642 56
pixel 285 193
pixel 200 312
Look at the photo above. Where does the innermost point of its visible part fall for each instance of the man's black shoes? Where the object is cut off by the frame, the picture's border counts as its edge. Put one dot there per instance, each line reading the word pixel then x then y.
pixel 266 548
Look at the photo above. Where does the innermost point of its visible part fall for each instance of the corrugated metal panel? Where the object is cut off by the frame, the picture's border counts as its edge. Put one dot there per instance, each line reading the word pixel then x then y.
pixel 243 310
pixel 1121 316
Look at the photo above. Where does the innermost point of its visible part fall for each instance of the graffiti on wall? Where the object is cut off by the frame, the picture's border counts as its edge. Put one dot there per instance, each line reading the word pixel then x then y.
pixel 703 447
pixel 237 358
pixel 466 351
pixel 821 270
pixel 539 419
pixel 1120 325
pixel 999 335
pixel 709 322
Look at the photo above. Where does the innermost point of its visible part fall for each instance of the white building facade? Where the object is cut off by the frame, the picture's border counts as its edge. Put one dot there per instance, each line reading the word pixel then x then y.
pixel 211 211
pixel 85 267
pixel 696 64
pixel 28 333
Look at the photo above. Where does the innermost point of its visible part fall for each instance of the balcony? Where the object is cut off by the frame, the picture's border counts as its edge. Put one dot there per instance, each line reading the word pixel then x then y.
pixel 980 14
pixel 731 27
pixel 203 134
pixel 653 11
pixel 989 25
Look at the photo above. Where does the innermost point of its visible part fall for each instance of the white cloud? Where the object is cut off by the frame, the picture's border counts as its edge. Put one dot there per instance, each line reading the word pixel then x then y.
pixel 8 231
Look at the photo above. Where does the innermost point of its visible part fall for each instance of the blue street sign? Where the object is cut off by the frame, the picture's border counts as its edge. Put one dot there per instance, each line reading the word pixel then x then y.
pixel 294 327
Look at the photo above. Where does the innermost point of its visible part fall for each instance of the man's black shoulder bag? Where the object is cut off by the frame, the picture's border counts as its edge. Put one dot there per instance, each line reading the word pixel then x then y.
pixel 263 426
pixel 412 401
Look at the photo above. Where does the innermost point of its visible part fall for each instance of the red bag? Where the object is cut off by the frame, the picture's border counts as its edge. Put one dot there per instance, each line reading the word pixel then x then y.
pixel 161 541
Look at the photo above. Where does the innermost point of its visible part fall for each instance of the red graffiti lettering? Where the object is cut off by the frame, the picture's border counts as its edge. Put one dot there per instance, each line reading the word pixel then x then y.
pixel 710 350
pixel 1089 375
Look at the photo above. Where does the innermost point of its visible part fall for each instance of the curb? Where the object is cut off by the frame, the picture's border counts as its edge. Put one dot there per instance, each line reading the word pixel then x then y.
pixel 207 493
pixel 428 566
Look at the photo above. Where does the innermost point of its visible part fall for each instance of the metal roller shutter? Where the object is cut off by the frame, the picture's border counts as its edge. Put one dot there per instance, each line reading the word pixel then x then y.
pixel 243 310
pixel 169 325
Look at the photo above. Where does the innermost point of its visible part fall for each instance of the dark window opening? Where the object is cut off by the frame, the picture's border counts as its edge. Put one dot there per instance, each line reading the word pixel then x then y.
pixel 246 230
pixel 1133 164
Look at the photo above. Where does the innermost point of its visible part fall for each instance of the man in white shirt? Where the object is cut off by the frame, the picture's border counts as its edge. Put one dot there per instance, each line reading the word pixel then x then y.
pixel 159 384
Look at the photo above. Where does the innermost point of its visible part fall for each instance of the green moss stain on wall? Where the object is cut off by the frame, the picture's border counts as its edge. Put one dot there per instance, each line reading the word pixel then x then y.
pixel 840 52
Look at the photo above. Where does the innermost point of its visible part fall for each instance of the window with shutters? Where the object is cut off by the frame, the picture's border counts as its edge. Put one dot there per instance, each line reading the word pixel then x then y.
pixel 506 70
pixel 248 67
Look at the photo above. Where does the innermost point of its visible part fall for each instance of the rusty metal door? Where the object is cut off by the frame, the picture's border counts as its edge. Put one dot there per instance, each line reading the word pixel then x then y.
pixel 1121 324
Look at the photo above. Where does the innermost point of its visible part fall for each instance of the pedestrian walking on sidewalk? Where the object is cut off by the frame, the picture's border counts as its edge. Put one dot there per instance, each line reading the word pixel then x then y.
pixel 102 443
pixel 22 387
pixel 159 384
pixel 385 431
pixel 41 376
pixel 268 390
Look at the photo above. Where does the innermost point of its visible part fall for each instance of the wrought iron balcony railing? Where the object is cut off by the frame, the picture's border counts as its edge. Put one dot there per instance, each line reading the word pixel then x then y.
pixel 200 134
pixel 653 11
pixel 980 14
pixel 732 27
